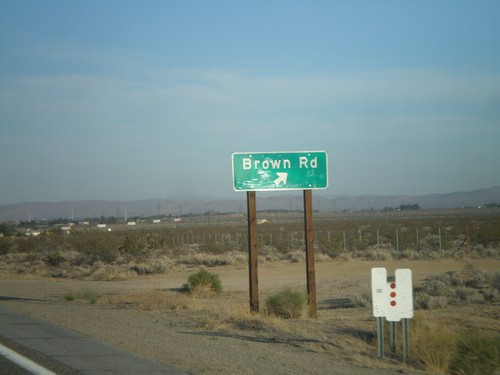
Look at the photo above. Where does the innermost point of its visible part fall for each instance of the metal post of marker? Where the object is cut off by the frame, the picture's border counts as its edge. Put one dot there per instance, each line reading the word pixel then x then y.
pixel 380 337
pixel 392 333
pixel 406 338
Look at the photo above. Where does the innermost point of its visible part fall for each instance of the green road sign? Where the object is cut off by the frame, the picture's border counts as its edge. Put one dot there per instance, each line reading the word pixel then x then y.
pixel 280 170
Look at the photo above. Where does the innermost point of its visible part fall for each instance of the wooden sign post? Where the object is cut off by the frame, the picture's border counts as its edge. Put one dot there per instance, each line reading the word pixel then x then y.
pixel 309 237
pixel 252 251
pixel 303 170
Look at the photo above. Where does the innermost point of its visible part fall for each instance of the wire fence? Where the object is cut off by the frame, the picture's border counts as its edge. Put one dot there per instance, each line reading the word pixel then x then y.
pixel 400 238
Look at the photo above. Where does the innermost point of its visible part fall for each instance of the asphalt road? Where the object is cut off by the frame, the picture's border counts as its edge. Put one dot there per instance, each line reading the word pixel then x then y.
pixel 9 368
pixel 67 352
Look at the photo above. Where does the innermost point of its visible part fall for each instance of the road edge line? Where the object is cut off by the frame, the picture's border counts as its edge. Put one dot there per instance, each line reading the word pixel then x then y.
pixel 24 362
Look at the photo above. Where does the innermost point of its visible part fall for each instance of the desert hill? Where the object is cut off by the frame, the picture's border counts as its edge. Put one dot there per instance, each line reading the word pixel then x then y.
pixel 182 205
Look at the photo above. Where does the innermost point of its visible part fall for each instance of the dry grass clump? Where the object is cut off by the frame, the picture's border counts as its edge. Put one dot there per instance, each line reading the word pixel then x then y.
pixel 476 354
pixel 446 349
pixel 85 295
pixel 432 344
pixel 155 299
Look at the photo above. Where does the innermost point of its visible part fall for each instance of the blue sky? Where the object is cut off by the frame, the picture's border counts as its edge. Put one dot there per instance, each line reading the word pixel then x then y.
pixel 127 100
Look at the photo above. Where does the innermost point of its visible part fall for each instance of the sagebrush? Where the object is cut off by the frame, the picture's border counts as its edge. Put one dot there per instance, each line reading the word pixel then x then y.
pixel 286 303
pixel 203 280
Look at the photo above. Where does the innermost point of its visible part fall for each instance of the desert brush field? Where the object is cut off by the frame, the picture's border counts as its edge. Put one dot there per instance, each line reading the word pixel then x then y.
pixel 179 292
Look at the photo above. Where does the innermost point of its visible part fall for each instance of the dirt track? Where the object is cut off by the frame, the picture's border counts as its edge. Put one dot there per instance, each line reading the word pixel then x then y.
pixel 339 342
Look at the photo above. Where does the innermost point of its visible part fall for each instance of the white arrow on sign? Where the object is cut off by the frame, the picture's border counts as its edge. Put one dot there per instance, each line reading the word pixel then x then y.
pixel 282 177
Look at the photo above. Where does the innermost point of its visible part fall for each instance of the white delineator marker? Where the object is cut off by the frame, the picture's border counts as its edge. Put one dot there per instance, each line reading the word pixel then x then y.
pixel 392 298
pixel 404 291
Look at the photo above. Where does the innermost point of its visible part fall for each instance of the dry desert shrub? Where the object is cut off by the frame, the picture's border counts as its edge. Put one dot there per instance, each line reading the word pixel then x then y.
pixel 495 281
pixel 373 253
pixel 286 304
pixel 104 272
pixel 427 302
pixel 321 257
pixel 271 253
pixel 363 299
pixel 296 256
pixel 203 281
pixel 467 286
pixel 154 266
pixel 204 259
pixel 195 255
pixel 436 287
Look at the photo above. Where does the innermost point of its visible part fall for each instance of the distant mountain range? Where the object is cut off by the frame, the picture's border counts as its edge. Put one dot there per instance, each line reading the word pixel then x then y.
pixel 181 205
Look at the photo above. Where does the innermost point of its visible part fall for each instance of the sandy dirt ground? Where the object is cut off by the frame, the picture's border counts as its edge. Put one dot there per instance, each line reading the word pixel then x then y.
pixel 219 336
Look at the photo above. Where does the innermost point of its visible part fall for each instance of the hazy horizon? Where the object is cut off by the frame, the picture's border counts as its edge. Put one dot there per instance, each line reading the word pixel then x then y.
pixel 123 101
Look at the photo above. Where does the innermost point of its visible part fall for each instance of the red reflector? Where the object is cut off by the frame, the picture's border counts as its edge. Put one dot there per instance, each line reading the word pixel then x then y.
pixel 393 294
pixel 393 303
pixel 393 285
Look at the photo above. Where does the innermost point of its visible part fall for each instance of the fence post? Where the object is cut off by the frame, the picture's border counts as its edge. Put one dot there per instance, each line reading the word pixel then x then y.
pixel 467 240
pixel 418 244
pixel 440 248
pixel 397 239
